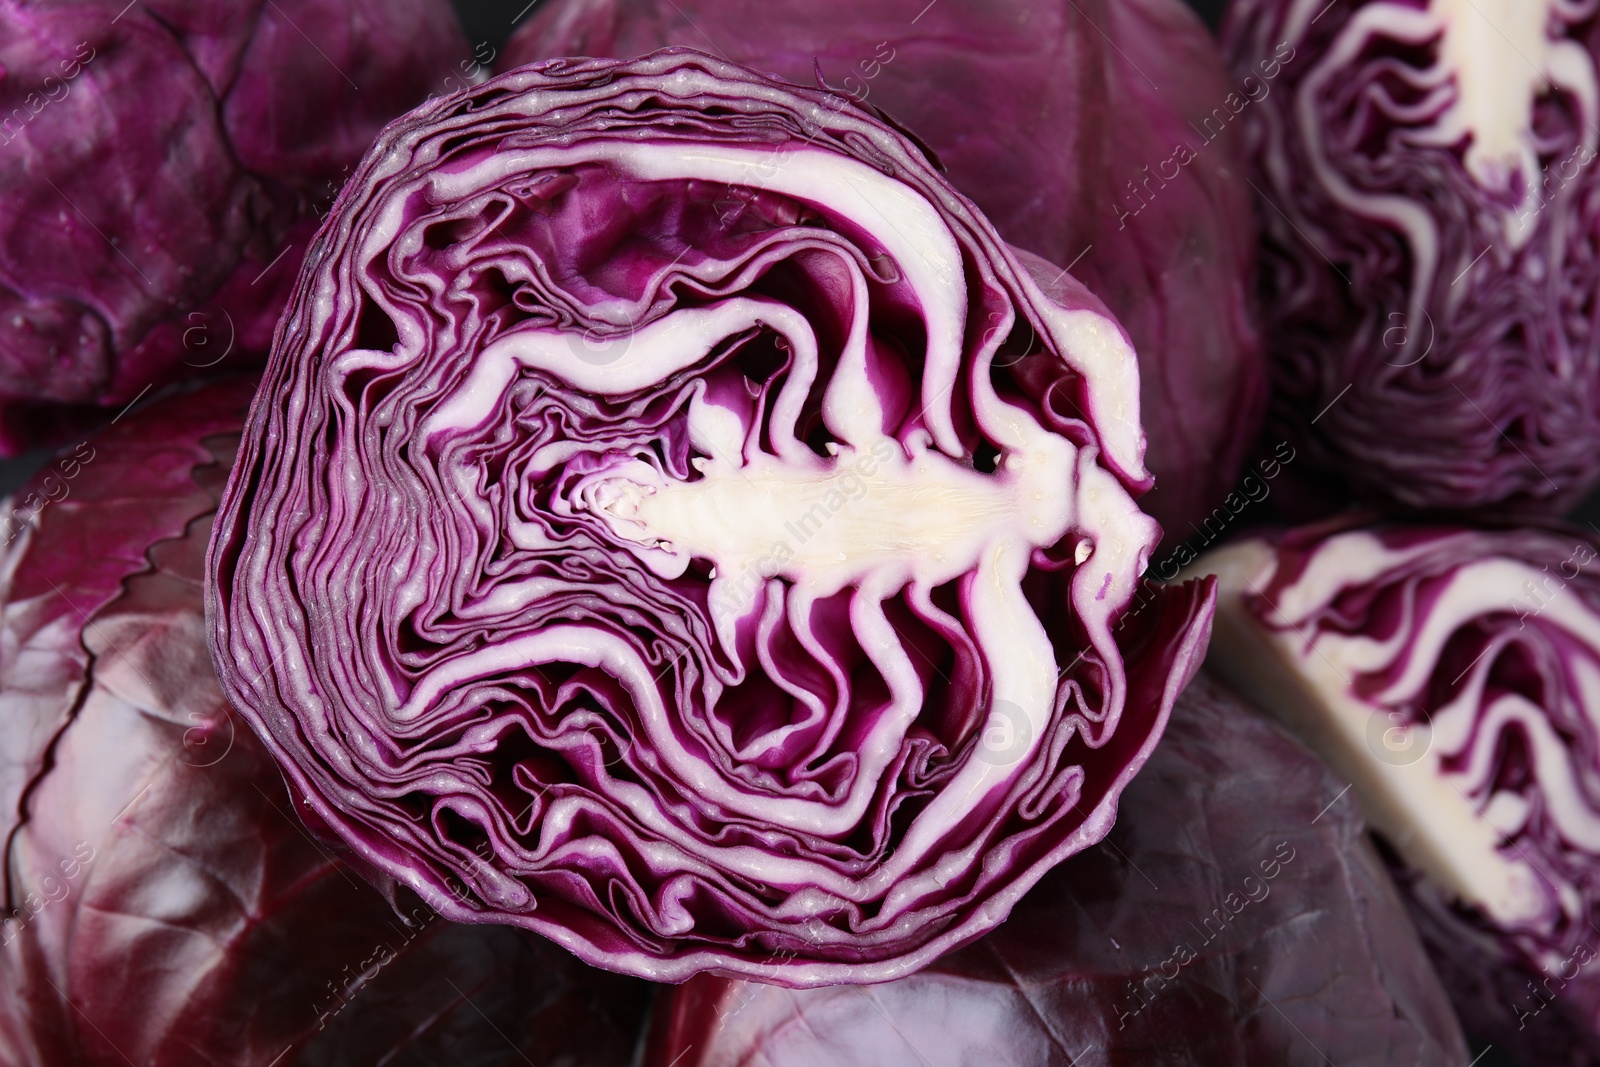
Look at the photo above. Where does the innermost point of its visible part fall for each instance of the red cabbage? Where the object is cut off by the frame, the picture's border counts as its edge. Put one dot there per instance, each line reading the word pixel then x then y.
pixel 1231 917
pixel 1452 675
pixel 675 523
pixel 162 168
pixel 1430 263
pixel 163 904
pixel 1045 114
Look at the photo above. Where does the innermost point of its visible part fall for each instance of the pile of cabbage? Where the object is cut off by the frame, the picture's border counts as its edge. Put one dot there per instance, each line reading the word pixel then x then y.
pixel 694 534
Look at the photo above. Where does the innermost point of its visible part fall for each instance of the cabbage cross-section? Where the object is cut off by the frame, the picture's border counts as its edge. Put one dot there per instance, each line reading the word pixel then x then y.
pixel 674 522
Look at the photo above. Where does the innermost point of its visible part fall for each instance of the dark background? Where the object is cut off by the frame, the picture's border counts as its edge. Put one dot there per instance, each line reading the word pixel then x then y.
pixel 1210 10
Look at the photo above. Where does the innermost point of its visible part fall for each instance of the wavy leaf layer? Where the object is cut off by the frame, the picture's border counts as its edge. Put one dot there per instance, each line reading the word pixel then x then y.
pixel 1044 112
pixel 1234 915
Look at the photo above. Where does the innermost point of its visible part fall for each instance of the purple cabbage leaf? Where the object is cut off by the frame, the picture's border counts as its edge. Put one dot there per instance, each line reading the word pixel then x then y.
pixel 163 168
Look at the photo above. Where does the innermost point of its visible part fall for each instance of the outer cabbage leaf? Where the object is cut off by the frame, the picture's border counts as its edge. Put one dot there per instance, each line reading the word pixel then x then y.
pixel 1045 113
pixel 674 522
pixel 1430 263
pixel 162 168
pixel 1234 915
pixel 164 905
pixel 1452 675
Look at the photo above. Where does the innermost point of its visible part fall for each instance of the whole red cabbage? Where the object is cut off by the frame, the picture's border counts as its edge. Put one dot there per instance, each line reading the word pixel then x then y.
pixel 163 903
pixel 1062 120
pixel 1431 262
pixel 1453 676
pixel 674 522
pixel 1234 915
pixel 162 168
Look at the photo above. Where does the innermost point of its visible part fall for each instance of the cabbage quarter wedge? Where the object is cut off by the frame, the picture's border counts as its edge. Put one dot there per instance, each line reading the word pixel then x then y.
pixel 1429 264
pixel 1452 676
pixel 675 523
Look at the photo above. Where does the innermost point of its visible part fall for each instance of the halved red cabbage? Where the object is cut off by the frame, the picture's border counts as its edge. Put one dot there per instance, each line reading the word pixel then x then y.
pixel 163 903
pixel 1453 676
pixel 1431 261
pixel 162 168
pixel 1231 917
pixel 675 523
pixel 1061 119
